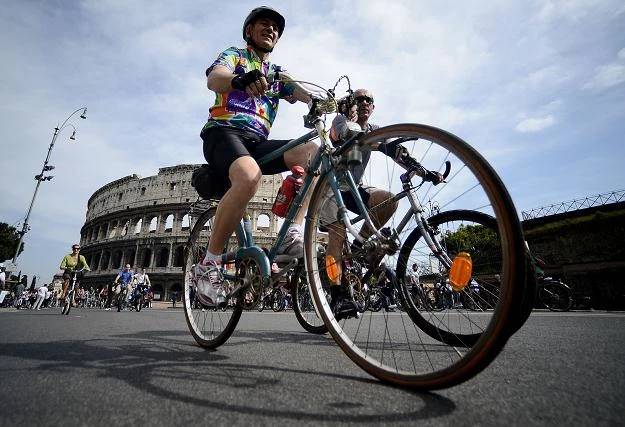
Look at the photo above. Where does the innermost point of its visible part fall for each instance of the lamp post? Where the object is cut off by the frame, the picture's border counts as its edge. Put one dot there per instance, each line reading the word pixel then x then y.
pixel 44 169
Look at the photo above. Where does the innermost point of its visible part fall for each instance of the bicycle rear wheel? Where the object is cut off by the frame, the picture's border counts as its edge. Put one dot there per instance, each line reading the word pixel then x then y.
pixel 210 326
pixel 555 295
pixel 68 303
pixel 393 347
pixel 303 305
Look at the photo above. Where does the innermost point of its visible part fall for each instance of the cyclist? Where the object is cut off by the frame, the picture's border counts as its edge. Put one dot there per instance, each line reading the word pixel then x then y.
pixel 236 134
pixel 123 279
pixel 342 127
pixel 70 263
pixel 141 283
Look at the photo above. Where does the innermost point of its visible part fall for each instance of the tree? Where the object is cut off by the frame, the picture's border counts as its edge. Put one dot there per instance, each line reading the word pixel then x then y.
pixel 9 238
pixel 481 242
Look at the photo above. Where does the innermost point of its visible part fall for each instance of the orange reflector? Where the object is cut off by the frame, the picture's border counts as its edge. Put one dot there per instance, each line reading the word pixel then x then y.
pixel 332 269
pixel 461 270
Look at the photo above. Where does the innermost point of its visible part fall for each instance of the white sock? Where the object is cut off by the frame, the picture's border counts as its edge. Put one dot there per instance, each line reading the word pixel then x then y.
pixel 296 226
pixel 211 257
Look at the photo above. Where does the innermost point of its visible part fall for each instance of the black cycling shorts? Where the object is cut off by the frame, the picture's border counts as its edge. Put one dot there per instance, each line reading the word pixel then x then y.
pixel 223 145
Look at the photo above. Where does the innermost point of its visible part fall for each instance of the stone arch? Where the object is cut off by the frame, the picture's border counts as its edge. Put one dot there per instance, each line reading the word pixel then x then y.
pixel 104 263
pixel 129 256
pixel 96 261
pixel 178 260
pixel 153 224
pixel 169 223
pixel 138 225
pixel 113 229
pixel 162 257
pixel 117 259
pixel 125 228
pixel 263 223
pixel 146 257
pixel 104 231
pixel 186 222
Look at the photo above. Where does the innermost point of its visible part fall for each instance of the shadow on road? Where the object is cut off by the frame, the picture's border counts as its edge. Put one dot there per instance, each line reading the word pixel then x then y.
pixel 168 367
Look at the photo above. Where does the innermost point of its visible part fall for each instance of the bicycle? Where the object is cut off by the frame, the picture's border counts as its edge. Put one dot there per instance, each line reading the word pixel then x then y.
pixel 553 294
pixel 411 348
pixel 67 306
pixel 122 297
pixel 138 299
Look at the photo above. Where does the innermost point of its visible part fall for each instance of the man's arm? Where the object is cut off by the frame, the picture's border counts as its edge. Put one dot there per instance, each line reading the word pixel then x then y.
pixel 221 80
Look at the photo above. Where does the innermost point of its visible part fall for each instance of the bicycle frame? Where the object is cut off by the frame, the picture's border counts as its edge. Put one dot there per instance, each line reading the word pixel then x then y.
pixel 323 162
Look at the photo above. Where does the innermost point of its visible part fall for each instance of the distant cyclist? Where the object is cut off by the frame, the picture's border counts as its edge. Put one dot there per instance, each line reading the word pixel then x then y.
pixel 70 263
pixel 123 279
pixel 142 284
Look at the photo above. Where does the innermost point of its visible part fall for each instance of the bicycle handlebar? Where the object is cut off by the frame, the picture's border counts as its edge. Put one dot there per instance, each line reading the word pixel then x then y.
pixel 325 103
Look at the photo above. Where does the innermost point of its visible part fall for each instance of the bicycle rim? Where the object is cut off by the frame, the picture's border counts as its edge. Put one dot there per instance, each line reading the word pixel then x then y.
pixel 210 326
pixel 392 346
pixel 457 231
pixel 555 296
pixel 303 304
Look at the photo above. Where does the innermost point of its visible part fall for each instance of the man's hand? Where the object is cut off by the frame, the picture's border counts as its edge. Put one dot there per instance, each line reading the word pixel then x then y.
pixel 253 83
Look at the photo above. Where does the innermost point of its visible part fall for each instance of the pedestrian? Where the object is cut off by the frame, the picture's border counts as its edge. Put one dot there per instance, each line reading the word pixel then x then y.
pixel 41 296
pixel 20 298
pixel 2 277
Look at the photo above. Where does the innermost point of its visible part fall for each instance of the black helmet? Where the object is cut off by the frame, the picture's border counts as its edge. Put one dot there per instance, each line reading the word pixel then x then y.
pixel 264 11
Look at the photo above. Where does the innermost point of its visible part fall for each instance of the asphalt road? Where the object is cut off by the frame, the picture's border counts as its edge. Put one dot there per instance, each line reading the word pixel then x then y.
pixel 99 368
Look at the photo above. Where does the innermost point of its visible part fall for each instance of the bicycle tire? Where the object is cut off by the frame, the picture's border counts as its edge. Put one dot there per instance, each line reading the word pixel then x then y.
pixel 436 325
pixel 303 305
pixel 68 303
pixel 210 326
pixel 555 295
pixel 392 347
pixel 139 305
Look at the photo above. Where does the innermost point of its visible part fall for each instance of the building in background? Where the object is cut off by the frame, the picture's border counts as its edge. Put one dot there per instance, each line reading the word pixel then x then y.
pixel 145 222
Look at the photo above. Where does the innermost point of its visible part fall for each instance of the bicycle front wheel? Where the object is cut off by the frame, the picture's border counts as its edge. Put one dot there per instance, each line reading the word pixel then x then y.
pixel 394 347
pixel 210 326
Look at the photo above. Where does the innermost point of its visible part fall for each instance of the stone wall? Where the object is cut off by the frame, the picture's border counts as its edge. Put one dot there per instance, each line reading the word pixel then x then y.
pixel 585 248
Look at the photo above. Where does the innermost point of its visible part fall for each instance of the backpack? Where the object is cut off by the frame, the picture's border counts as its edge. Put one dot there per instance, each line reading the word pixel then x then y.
pixel 208 184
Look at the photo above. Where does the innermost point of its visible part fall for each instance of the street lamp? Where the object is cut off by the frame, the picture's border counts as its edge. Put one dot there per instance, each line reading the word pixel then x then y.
pixel 46 168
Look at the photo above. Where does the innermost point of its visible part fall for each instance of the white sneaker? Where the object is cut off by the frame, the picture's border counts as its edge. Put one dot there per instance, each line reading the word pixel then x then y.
pixel 209 281
pixel 293 244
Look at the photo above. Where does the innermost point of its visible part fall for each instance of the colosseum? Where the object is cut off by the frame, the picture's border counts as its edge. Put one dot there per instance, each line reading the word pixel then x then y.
pixel 145 222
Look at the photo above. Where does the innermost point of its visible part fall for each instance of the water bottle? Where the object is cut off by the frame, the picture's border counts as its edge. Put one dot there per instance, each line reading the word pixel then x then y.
pixel 287 192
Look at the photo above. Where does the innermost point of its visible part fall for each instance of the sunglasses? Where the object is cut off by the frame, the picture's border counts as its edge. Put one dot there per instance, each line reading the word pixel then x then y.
pixel 76 249
pixel 360 99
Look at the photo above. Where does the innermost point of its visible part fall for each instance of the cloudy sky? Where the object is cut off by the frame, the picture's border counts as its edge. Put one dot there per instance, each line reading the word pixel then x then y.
pixel 538 86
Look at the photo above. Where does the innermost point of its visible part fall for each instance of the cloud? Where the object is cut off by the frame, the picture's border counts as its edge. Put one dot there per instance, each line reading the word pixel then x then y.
pixel 535 124
pixel 607 76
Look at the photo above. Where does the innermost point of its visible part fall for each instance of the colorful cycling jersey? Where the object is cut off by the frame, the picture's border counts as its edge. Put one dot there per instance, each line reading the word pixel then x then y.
pixel 238 109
